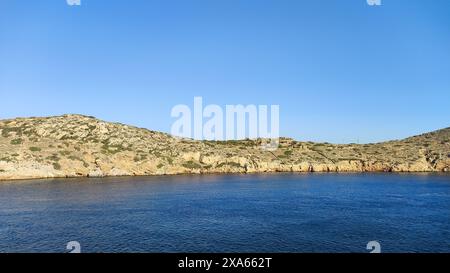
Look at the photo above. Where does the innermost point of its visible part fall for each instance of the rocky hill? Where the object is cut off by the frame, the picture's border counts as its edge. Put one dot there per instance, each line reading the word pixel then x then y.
pixel 76 146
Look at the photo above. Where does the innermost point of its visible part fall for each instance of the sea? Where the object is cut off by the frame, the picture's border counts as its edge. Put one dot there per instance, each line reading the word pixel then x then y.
pixel 251 213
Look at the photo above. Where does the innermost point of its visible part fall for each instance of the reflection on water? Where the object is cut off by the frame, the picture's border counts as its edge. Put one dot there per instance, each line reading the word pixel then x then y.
pixel 236 213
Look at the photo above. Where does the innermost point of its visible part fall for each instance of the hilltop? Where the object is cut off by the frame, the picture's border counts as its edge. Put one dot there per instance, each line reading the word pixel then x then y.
pixel 82 146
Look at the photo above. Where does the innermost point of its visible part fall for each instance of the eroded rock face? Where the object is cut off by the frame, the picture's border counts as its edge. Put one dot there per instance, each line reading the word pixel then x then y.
pixel 80 146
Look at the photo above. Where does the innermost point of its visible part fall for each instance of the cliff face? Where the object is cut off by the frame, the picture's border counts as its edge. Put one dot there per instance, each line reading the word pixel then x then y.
pixel 74 145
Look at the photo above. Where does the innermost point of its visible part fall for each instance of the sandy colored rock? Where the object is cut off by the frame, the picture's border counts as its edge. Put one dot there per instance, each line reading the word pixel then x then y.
pixel 81 146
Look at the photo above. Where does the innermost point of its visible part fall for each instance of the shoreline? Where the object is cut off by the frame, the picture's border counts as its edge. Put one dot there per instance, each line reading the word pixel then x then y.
pixel 225 174
pixel 80 146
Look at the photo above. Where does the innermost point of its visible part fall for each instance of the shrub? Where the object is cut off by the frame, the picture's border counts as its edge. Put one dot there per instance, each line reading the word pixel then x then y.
pixel 56 166
pixel 169 160
pixel 74 158
pixel 6 159
pixel 35 149
pixel 64 153
pixel 113 149
pixel 53 157
pixel 191 165
pixel 17 141
pixel 7 130
pixel 231 164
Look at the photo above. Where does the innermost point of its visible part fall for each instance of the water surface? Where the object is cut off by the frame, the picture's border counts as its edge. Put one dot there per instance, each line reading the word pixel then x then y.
pixel 228 213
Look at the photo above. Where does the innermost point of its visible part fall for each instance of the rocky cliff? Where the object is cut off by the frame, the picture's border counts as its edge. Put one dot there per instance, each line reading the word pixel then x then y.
pixel 77 146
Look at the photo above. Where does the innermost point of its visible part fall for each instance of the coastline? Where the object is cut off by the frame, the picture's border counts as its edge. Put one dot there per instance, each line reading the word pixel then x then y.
pixel 72 146
pixel 68 177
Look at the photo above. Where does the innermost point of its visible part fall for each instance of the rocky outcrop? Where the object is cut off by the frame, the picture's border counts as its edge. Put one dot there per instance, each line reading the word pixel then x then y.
pixel 81 146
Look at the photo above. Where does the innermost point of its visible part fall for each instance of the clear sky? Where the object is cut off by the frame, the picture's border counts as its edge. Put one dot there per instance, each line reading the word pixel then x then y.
pixel 341 71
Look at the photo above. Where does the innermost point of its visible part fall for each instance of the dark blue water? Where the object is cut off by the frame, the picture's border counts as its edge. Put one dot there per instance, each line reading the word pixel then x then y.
pixel 238 213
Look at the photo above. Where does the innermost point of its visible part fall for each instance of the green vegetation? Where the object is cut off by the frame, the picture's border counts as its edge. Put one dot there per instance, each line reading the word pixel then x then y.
pixel 140 157
pixel 18 130
pixel 17 141
pixel 6 131
pixel 53 157
pixel 65 153
pixel 113 149
pixel 74 158
pixel 118 144
pixel 350 159
pixel 245 142
pixel 319 145
pixel 191 165
pixel 231 164
pixel 39 159
pixel 156 153
pixel 6 159
pixel 69 137
pixel 169 160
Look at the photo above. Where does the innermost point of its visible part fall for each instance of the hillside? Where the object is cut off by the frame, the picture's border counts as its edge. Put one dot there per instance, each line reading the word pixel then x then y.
pixel 76 146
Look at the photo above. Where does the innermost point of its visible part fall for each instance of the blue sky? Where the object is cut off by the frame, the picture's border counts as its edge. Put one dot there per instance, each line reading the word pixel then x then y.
pixel 341 71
